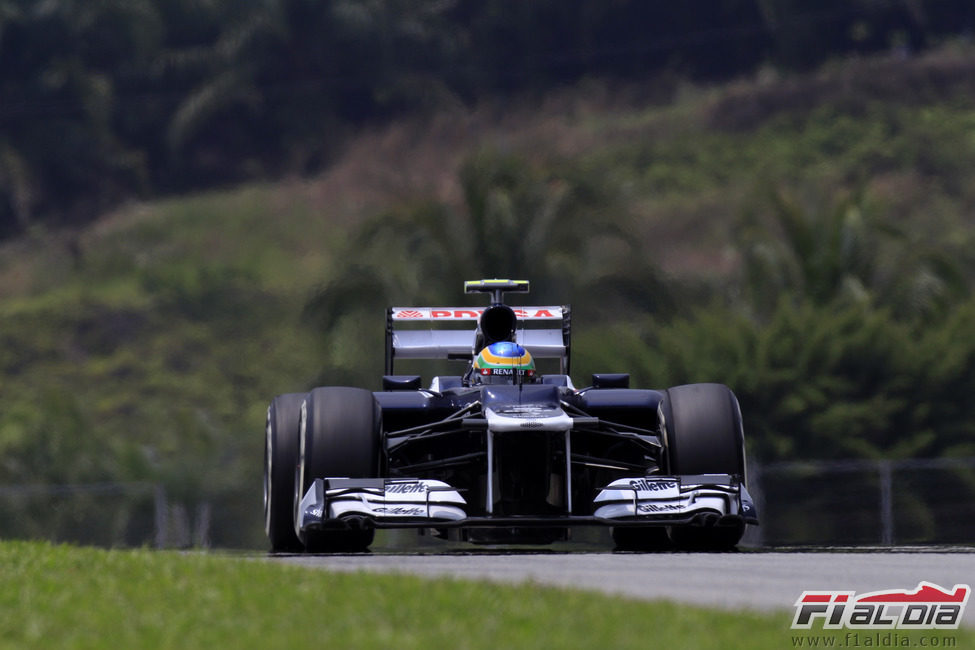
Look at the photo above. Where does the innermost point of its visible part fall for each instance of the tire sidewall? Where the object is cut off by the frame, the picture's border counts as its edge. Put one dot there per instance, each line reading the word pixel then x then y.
pixel 280 458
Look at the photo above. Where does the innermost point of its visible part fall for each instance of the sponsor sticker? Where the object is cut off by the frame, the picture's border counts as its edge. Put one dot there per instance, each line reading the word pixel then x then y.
pixel 466 313
pixel 411 487
pixel 927 607
pixel 401 511
pixel 645 508
pixel 655 488
pixel 409 313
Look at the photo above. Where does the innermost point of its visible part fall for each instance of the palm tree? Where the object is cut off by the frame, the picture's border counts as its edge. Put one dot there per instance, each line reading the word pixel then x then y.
pixel 842 252
pixel 559 230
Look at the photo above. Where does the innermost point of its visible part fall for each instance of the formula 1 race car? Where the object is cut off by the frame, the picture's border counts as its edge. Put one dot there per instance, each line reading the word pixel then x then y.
pixel 503 453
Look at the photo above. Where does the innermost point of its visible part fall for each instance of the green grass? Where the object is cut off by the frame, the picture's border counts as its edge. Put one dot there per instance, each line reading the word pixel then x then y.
pixel 71 597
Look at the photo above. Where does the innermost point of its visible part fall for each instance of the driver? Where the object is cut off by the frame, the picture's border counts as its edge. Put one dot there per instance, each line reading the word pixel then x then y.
pixel 503 363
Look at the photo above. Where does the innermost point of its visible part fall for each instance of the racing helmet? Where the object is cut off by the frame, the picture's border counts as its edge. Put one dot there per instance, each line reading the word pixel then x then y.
pixel 503 363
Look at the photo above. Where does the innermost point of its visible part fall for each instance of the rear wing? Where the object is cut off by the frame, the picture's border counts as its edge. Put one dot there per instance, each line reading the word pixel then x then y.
pixel 440 333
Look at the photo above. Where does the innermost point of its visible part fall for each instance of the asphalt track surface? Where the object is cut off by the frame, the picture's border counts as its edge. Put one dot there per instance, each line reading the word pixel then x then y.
pixel 763 580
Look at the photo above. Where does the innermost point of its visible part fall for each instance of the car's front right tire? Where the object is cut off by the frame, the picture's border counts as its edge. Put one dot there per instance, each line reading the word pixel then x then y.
pixel 280 458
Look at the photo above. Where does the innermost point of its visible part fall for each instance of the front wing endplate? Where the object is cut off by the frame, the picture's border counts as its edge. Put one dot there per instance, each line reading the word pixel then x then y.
pixel 335 499
pixel 675 497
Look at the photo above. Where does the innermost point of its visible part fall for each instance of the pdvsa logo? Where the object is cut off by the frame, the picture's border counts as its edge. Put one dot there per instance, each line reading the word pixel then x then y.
pixel 466 313
pixel 928 607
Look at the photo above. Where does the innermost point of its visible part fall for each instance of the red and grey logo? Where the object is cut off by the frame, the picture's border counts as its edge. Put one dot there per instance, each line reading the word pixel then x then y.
pixel 409 313
pixel 928 607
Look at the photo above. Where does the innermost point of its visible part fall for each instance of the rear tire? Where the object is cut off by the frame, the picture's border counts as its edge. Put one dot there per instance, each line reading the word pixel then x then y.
pixel 280 457
pixel 704 436
pixel 340 437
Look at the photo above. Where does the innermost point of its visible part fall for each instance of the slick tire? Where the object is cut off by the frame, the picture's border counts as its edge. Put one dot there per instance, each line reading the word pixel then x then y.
pixel 280 459
pixel 704 436
pixel 339 436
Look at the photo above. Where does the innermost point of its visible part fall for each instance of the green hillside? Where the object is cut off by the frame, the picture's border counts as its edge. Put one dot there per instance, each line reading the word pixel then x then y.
pixel 805 239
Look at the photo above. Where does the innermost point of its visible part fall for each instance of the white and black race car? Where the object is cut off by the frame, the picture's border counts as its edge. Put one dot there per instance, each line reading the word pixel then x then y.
pixel 503 453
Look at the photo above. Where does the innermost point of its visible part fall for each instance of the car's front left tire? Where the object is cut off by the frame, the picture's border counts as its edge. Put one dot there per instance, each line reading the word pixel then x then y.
pixel 704 436
pixel 340 437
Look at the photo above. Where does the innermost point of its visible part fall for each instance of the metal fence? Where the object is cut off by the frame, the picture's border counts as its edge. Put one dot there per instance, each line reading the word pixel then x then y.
pixel 865 502
pixel 855 503
pixel 103 514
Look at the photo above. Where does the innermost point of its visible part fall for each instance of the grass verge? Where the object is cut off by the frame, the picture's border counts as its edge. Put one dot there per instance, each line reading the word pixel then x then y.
pixel 70 597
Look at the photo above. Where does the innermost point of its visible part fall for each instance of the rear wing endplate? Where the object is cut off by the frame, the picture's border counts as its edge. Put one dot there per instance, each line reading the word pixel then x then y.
pixel 439 333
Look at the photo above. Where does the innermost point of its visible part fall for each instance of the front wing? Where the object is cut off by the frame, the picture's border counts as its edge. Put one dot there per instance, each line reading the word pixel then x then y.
pixel 706 499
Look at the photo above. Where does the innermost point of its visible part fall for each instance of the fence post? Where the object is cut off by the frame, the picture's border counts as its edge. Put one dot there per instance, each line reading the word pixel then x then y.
pixel 162 515
pixel 886 502
pixel 201 526
pixel 755 535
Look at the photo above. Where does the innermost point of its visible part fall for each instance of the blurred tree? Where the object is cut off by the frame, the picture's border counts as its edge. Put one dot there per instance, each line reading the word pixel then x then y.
pixel 813 382
pixel 105 99
pixel 61 157
pixel 804 33
pixel 844 253
pixel 945 382
pixel 284 78
pixel 560 231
